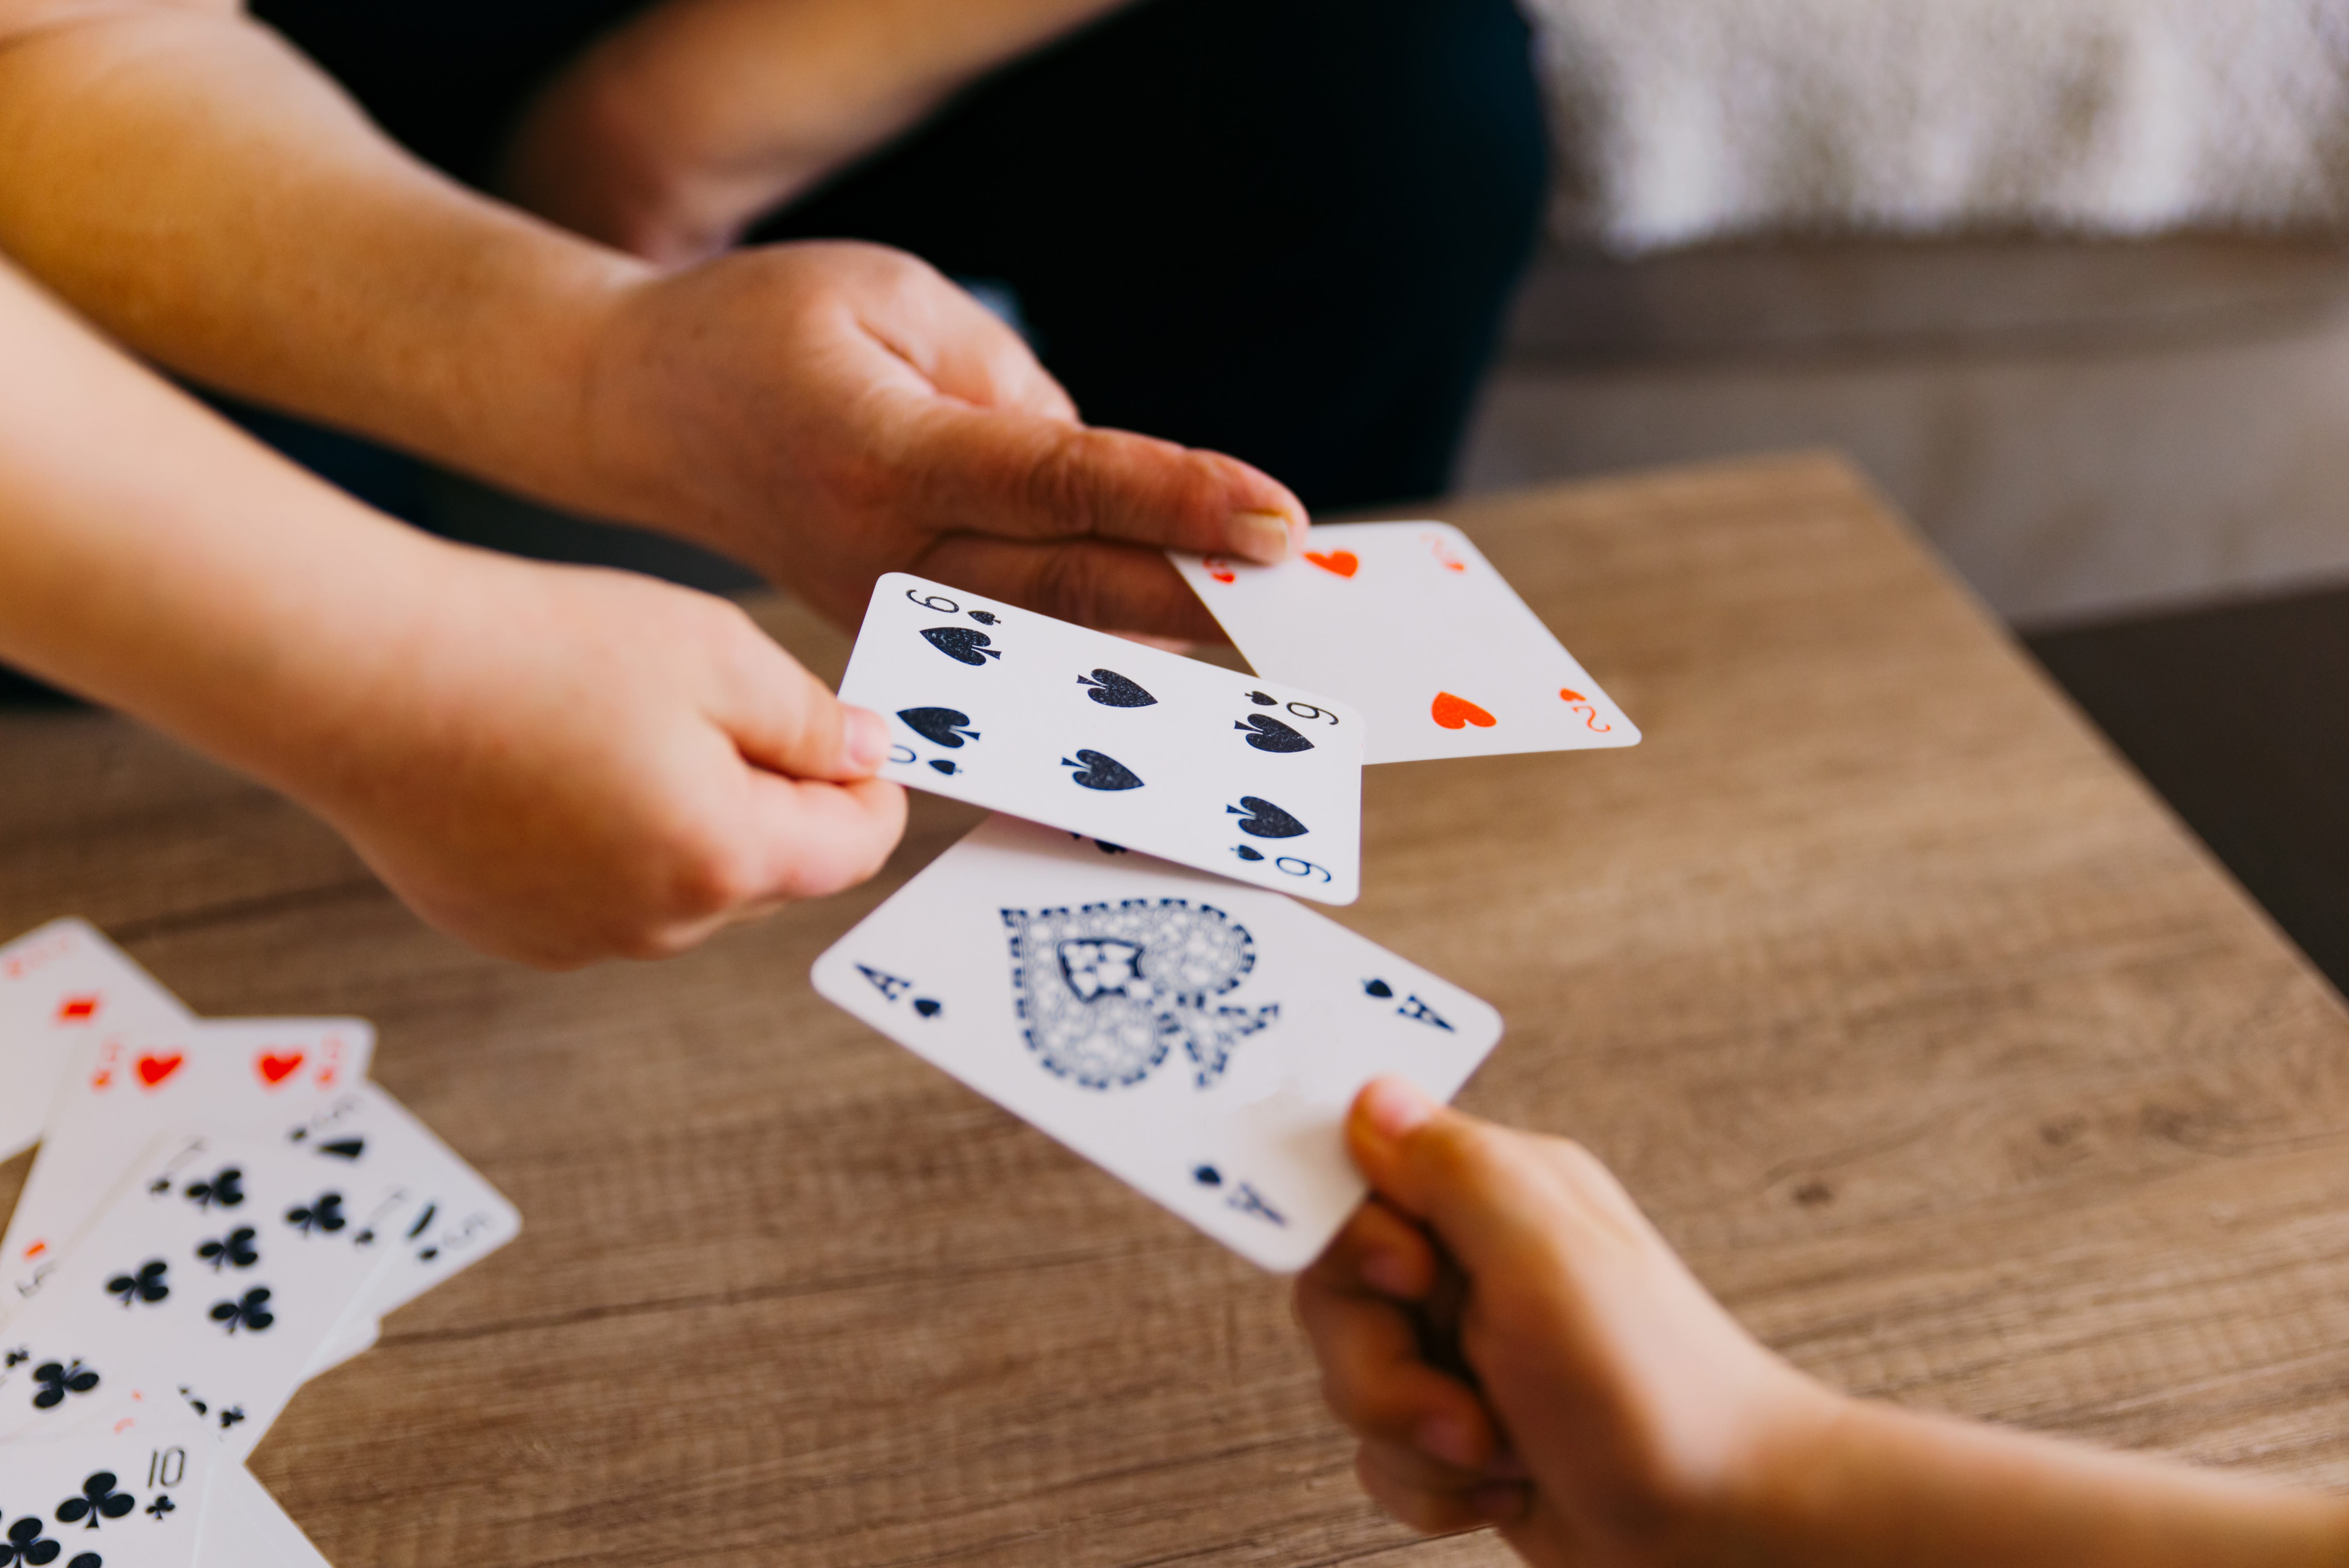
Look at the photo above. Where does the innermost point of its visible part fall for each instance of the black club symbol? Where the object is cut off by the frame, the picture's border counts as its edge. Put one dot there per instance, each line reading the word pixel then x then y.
pixel 161 1506
pixel 232 1250
pixel 99 1501
pixel 231 1417
pixel 18 1358
pixel 252 1313
pixel 227 1190
pixel 24 1544
pixel 147 1285
pixel 58 1379
pixel 324 1212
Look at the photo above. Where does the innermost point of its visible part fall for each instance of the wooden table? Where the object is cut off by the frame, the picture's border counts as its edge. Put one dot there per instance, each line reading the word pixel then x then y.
pixel 1952 1064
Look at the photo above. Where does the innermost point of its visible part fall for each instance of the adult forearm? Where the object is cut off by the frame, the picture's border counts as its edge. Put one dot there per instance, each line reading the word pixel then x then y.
pixel 1885 1486
pixel 677 130
pixel 199 189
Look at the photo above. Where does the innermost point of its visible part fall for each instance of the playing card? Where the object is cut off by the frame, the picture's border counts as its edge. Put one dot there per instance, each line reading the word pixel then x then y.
pixel 246 1529
pixel 1411 625
pixel 242 1525
pixel 1199 1039
pixel 121 1091
pixel 136 1500
pixel 463 1219
pixel 221 1268
pixel 1021 713
pixel 60 985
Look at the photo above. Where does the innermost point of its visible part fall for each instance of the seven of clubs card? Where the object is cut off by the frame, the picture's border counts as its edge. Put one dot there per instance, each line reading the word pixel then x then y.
pixel 1198 1039
pixel 221 1268
pixel 1411 625
pixel 1023 714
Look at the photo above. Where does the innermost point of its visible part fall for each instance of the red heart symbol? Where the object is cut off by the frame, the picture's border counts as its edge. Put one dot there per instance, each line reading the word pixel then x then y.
pixel 1451 712
pixel 1220 575
pixel 1570 694
pixel 275 1067
pixel 1344 563
pixel 153 1070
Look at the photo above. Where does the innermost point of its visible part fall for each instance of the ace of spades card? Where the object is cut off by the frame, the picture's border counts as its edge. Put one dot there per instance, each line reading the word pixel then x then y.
pixel 1198 1039
pixel 1409 622
pixel 1021 713
pixel 219 1269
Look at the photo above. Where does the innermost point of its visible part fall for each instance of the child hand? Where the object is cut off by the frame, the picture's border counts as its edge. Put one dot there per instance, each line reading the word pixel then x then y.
pixel 1618 1413
pixel 560 765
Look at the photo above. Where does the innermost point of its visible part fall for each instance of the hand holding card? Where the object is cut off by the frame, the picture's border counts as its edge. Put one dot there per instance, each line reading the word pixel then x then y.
pixel 1257 781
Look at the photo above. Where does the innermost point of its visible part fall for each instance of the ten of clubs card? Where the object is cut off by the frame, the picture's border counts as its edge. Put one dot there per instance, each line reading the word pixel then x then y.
pixel 1410 624
pixel 1021 713
pixel 1199 1039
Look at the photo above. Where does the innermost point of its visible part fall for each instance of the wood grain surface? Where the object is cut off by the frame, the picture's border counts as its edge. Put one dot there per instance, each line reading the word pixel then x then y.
pixel 1953 1064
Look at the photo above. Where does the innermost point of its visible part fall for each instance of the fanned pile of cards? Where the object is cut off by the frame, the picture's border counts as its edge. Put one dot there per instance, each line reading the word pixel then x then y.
pixel 1115 955
pixel 219 1210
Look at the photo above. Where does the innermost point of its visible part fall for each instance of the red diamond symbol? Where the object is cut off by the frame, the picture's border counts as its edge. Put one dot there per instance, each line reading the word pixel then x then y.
pixel 78 1010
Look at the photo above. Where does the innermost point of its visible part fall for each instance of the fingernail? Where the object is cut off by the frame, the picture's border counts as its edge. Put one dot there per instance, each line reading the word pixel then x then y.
pixel 1395 1108
pixel 1260 536
pixel 1446 1439
pixel 1386 1273
pixel 868 738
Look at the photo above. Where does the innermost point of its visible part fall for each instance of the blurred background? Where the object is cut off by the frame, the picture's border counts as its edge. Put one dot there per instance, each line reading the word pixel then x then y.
pixel 2066 277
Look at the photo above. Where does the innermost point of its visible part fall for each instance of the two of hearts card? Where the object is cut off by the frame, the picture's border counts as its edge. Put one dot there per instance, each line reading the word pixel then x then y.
pixel 1410 623
pixel 219 1211
pixel 1120 966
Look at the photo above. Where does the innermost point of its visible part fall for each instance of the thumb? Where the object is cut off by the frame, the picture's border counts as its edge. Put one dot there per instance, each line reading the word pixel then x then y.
pixel 1482 1188
pixel 784 720
pixel 1022 476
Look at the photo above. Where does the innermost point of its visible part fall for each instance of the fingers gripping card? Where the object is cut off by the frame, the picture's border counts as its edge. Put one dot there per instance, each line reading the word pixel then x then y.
pixel 1198 1039
pixel 1410 624
pixel 1021 713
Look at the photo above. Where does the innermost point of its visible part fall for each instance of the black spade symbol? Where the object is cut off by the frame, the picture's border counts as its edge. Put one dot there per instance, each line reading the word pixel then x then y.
pixel 1112 689
pixel 1261 700
pixel 1378 988
pixel 1097 771
pixel 928 1006
pixel 984 617
pixel 1207 1176
pixel 345 1149
pixel 1247 854
pixel 1269 734
pixel 944 765
pixel 1260 819
pixel 939 726
pixel 962 645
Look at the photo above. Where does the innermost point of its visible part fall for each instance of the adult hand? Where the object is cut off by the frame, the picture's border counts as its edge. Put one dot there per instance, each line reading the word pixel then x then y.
pixel 1621 1412
pixel 562 765
pixel 827 412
